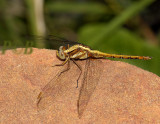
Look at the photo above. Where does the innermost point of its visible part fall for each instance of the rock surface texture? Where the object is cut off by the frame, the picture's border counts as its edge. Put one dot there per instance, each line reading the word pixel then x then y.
pixel 125 94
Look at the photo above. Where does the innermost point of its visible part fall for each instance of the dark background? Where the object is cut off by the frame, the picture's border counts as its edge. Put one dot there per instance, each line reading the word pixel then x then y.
pixel 130 27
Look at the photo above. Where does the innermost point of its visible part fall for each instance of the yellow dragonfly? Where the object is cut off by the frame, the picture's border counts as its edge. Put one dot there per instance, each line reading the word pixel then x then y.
pixel 92 72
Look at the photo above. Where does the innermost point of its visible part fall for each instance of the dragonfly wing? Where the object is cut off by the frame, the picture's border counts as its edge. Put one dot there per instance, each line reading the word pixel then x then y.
pixel 51 41
pixel 92 73
pixel 55 88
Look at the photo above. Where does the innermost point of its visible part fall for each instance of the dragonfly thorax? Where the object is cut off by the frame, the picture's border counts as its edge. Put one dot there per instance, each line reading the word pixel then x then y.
pixel 74 52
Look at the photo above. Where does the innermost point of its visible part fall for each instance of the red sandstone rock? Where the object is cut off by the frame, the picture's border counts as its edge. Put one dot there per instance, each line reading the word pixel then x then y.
pixel 124 94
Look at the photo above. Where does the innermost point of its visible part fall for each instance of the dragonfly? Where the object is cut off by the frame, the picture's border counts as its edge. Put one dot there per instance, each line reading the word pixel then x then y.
pixel 74 51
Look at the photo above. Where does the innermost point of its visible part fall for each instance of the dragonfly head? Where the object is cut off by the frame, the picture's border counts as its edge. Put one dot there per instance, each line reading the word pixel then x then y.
pixel 60 53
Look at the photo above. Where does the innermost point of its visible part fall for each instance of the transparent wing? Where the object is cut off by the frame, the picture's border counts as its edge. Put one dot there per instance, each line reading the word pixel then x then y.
pixel 55 88
pixel 59 39
pixel 93 71
pixel 51 41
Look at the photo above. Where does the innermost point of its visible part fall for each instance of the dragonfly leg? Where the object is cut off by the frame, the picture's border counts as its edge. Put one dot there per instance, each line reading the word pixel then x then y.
pixel 68 67
pixel 80 71
pixel 62 63
pixel 39 98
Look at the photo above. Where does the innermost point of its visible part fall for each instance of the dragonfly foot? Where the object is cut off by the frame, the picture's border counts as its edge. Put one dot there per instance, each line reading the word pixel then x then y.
pixel 77 84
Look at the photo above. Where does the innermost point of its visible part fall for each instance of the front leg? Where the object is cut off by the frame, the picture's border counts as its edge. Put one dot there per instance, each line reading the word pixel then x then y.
pixel 62 63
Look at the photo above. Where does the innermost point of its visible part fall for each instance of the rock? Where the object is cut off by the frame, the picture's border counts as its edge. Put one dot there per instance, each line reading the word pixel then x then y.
pixel 124 93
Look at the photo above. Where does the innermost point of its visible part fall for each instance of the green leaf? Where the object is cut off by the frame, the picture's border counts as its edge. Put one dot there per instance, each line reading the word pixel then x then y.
pixel 109 28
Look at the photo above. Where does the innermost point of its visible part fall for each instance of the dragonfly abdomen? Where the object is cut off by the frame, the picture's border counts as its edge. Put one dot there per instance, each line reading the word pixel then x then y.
pixel 98 54
pixel 129 57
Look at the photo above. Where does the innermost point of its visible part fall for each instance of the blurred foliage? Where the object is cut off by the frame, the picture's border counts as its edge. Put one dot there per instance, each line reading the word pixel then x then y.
pixel 129 27
pixel 74 8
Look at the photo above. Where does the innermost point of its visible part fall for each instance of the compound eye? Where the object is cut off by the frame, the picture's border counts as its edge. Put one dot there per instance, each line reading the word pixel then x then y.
pixel 61 52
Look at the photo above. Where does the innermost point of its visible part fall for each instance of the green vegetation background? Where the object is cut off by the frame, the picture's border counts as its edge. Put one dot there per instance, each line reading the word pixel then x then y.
pixel 111 26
